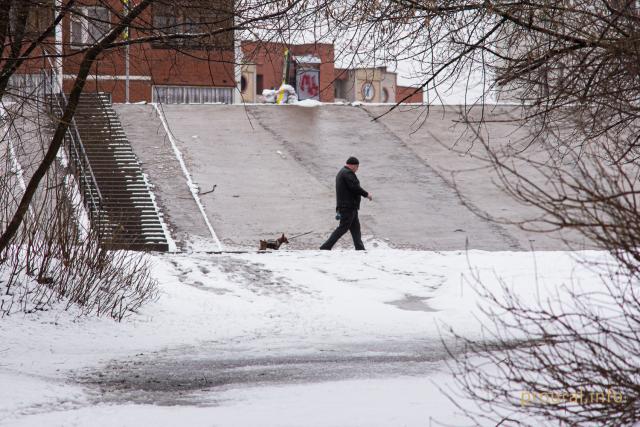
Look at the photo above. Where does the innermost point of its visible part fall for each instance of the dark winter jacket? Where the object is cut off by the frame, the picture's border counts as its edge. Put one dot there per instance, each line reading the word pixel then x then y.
pixel 348 190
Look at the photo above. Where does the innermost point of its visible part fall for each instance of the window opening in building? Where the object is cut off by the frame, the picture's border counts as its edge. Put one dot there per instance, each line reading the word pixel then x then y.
pixel 91 25
pixel 197 20
pixel 259 83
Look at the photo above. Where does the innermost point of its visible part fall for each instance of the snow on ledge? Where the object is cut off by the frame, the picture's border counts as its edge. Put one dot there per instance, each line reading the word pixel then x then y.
pixel 308 103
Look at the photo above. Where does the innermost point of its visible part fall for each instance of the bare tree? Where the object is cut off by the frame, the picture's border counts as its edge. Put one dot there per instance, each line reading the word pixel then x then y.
pixel 56 256
pixel 573 68
pixel 42 243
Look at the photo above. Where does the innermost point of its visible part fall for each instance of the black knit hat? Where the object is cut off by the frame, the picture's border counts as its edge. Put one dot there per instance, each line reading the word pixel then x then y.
pixel 353 161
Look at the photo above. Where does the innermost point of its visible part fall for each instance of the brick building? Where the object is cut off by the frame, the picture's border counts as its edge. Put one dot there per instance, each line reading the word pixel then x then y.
pixel 178 70
pixel 414 97
pixel 172 70
pixel 313 75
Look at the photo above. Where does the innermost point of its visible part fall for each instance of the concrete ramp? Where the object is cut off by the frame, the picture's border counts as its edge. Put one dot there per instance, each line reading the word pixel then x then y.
pixel 264 170
pixel 273 168
pixel 413 206
pixel 261 189
pixel 445 145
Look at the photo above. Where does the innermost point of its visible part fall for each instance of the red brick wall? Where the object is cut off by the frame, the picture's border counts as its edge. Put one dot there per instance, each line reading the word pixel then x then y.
pixel 159 66
pixel 402 91
pixel 149 66
pixel 138 90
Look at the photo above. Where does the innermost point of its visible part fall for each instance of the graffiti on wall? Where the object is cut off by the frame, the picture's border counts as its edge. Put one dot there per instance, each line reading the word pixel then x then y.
pixel 308 84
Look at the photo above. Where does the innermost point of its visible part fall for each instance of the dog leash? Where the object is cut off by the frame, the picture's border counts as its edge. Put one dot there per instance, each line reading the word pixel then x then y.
pixel 299 235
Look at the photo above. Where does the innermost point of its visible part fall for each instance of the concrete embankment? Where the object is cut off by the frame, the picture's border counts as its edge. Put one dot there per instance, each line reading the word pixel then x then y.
pixel 273 170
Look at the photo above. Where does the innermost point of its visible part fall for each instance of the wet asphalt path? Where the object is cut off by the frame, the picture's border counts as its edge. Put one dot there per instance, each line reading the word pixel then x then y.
pixel 194 376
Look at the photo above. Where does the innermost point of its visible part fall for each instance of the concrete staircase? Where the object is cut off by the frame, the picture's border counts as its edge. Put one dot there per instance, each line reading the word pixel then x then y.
pixel 111 180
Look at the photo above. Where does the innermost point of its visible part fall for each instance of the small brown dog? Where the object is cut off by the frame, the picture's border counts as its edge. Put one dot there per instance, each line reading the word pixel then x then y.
pixel 273 244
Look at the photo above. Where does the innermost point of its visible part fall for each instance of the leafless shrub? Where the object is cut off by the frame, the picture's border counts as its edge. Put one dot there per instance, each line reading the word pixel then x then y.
pixel 572 67
pixel 569 358
pixel 44 257
pixel 55 258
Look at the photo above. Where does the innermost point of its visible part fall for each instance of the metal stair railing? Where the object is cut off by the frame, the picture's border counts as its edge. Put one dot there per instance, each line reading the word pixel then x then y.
pixel 79 159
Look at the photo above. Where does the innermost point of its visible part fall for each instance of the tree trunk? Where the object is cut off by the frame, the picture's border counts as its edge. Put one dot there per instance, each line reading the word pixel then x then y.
pixel 63 125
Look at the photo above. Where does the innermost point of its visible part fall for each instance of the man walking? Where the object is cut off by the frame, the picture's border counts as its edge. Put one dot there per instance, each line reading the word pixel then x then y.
pixel 348 193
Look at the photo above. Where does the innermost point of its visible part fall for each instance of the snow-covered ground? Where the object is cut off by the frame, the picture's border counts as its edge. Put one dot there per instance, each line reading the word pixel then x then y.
pixel 286 338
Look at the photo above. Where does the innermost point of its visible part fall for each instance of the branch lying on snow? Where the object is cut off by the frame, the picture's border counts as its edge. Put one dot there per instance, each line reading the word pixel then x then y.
pixel 212 190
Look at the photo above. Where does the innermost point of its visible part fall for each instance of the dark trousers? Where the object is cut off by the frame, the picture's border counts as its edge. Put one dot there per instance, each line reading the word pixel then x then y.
pixel 348 222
